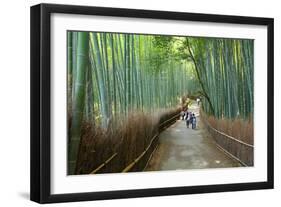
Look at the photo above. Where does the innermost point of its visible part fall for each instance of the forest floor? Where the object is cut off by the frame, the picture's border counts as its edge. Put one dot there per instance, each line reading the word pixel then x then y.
pixel 185 148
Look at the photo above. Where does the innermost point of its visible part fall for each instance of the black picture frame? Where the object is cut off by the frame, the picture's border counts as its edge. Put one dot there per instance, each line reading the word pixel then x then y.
pixel 41 99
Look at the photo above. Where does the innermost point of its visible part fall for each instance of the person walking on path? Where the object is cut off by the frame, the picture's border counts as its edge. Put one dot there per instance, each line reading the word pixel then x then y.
pixel 193 121
pixel 198 101
pixel 182 115
pixel 187 119
pixel 190 118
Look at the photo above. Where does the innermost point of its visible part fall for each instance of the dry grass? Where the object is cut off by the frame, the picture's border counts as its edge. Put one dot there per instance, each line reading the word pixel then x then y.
pixel 238 128
pixel 242 129
pixel 128 137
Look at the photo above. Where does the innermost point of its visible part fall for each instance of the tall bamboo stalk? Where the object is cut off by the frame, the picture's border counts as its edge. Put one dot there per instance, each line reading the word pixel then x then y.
pixel 79 98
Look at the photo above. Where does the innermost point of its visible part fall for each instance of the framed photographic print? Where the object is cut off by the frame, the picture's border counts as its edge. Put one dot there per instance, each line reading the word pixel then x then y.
pixel 132 103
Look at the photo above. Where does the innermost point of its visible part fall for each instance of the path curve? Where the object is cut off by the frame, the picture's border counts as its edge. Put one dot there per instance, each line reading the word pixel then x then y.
pixel 184 148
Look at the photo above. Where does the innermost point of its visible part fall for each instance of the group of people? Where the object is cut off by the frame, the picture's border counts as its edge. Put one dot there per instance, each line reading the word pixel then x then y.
pixel 190 118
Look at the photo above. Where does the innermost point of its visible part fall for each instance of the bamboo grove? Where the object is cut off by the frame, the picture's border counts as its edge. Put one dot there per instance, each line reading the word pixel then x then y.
pixel 112 76
pixel 225 71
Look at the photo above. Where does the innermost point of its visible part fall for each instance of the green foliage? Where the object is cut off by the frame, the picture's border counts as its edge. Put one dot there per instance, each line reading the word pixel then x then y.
pixel 133 72
pixel 161 51
pixel 225 68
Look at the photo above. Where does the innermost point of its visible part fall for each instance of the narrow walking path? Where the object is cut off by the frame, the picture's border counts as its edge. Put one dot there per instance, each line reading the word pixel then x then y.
pixel 184 148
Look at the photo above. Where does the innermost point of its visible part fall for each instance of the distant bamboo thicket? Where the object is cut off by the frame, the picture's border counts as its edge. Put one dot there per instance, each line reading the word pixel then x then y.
pixel 225 70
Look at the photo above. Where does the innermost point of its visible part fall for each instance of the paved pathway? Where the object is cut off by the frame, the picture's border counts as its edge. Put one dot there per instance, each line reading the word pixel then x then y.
pixel 183 148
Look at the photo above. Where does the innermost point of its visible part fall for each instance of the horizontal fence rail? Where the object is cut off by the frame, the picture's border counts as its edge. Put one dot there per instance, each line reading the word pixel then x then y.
pixel 169 120
pixel 130 166
pixel 162 126
pixel 152 144
pixel 237 149
pixel 104 164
